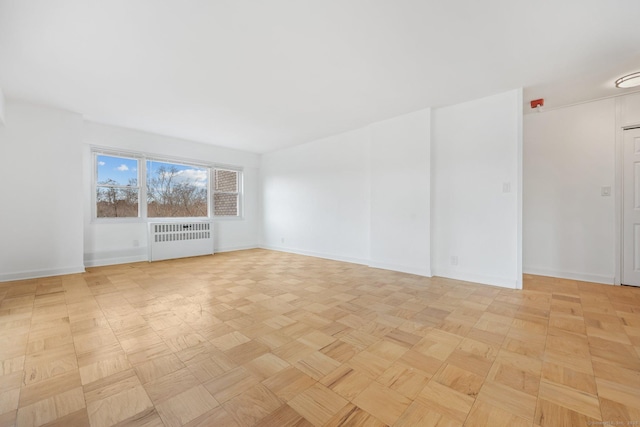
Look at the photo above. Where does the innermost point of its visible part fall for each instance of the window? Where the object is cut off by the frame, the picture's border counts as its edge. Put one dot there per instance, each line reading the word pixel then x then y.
pixel 177 190
pixel 117 190
pixel 226 198
pixel 170 188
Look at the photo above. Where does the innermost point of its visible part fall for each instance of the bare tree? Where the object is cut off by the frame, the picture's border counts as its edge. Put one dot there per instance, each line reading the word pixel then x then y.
pixel 117 201
pixel 168 197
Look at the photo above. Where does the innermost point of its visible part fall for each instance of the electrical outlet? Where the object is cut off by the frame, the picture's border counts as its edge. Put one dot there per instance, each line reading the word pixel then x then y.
pixel 605 191
pixel 282 240
pixel 506 187
pixel 136 243
pixel 454 260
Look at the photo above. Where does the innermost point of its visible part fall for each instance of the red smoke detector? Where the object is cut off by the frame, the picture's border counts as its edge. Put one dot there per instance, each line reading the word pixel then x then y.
pixel 537 103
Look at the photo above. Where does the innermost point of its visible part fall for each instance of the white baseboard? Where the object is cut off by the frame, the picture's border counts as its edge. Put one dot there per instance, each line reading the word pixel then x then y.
pixel 100 259
pixel 236 248
pixel 465 276
pixel 594 278
pixel 384 266
pixel 117 260
pixel 34 274
pixel 426 272
pixel 316 254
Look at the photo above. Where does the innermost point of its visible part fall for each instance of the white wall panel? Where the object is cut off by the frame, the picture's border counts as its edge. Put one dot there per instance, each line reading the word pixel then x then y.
pixel 41 193
pixel 400 193
pixel 316 198
pixel 475 183
pixel 119 242
pixel 569 227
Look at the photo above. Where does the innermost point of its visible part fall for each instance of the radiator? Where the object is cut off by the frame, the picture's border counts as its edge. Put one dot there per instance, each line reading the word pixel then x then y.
pixel 179 240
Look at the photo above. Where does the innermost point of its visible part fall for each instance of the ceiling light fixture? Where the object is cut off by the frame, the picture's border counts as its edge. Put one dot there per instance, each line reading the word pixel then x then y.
pixel 630 80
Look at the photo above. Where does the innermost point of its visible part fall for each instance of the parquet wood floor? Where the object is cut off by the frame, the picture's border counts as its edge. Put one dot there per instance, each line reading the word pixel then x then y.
pixel 273 339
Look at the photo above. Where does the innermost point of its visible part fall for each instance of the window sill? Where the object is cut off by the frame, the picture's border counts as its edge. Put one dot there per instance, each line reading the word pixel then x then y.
pixel 118 220
pixel 228 218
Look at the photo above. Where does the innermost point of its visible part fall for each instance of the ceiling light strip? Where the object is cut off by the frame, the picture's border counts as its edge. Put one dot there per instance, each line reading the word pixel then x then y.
pixel 630 80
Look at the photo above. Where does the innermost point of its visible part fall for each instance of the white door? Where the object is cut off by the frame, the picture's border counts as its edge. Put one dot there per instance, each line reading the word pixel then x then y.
pixel 631 209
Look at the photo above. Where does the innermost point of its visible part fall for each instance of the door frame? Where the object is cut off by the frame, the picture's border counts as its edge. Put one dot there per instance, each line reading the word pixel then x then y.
pixel 621 127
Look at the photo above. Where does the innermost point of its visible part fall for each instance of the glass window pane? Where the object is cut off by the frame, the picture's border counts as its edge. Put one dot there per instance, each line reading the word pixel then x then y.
pixel 116 202
pixel 117 170
pixel 226 204
pixel 175 190
pixel 226 181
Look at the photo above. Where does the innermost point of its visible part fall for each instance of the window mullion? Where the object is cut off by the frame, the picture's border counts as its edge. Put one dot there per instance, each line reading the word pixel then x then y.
pixel 142 180
pixel 190 202
pixel 210 192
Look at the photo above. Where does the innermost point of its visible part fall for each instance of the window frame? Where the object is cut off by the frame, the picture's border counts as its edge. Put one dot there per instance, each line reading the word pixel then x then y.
pixel 240 192
pixel 95 185
pixel 208 168
pixel 142 159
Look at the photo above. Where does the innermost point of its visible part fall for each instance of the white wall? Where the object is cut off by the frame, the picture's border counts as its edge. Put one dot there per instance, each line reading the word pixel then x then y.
pixel 109 243
pixel 569 227
pixel 2 107
pixel 316 198
pixel 415 190
pixel 361 196
pixel 400 193
pixel 41 192
pixel 475 149
pixel 628 107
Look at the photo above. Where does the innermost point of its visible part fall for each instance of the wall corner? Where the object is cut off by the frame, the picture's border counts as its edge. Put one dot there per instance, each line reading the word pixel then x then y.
pixel 520 185
pixel 2 122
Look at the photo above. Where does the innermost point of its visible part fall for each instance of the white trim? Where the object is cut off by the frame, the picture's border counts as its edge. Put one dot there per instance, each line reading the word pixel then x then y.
pixel 175 161
pixel 237 248
pixel 142 184
pixel 99 259
pixel 620 194
pixel 503 282
pixel 169 220
pixel 34 274
pixel 210 200
pixel 228 218
pixel 618 209
pixel 622 124
pixel 239 194
pixel 315 254
pixel 401 268
pixel 142 158
pixel 100 149
pixel 593 278
pixel 117 220
pixel 109 151
pixel 383 266
pixel 142 193
pixel 115 261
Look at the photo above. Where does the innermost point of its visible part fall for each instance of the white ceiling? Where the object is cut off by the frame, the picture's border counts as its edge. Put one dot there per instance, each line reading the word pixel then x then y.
pixel 263 75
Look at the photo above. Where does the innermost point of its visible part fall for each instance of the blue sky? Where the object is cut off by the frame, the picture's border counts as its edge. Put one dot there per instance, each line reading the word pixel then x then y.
pixel 122 169
pixel 191 174
pixel 119 169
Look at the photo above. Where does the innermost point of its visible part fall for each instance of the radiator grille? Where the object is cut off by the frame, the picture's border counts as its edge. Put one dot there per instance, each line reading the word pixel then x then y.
pixel 178 240
pixel 175 232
